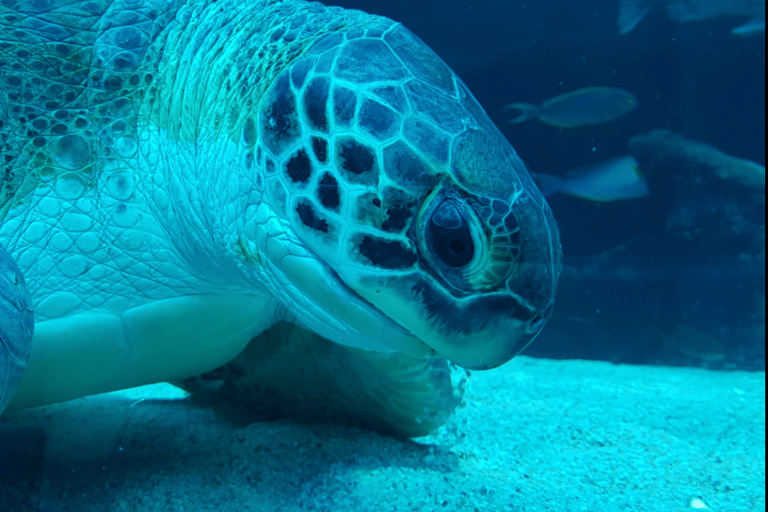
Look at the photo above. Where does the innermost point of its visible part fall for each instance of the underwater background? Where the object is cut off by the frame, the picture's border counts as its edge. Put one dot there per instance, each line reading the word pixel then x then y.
pixel 637 268
pixel 646 391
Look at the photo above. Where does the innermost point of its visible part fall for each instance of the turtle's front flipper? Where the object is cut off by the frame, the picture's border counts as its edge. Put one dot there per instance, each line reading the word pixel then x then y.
pixel 289 371
pixel 16 326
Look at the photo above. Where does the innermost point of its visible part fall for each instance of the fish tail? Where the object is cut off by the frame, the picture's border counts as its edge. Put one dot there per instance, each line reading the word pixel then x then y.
pixel 632 12
pixel 549 184
pixel 527 111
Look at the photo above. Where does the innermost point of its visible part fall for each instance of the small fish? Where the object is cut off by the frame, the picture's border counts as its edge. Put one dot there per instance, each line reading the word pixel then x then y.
pixel 609 180
pixel 583 107
pixel 631 12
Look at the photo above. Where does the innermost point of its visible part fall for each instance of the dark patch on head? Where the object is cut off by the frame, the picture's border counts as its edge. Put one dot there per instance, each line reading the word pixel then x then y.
pixel 309 218
pixel 328 192
pixel 299 168
pixel 279 123
pixel 404 166
pixel 399 207
pixel 397 218
pixel 376 202
pixel 384 253
pixel 320 149
pixel 378 120
pixel 315 103
pixel 300 70
pixel 356 160
pixel 368 60
pixel 344 103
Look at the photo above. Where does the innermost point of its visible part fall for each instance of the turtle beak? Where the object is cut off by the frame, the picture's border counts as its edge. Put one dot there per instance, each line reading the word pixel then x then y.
pixel 494 343
pixel 477 332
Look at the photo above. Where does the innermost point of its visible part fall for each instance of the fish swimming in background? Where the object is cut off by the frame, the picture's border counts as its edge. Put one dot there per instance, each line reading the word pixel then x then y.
pixel 610 180
pixel 631 12
pixel 582 107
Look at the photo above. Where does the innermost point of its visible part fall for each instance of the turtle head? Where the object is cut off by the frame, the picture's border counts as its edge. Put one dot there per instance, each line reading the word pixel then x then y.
pixel 423 231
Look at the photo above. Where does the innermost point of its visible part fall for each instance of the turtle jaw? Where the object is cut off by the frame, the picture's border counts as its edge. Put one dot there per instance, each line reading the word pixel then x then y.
pixel 477 332
pixel 344 316
pixel 492 346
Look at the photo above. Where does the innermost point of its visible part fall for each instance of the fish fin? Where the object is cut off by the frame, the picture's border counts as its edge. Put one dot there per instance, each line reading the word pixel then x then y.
pixel 549 184
pixel 632 12
pixel 527 111
pixel 753 27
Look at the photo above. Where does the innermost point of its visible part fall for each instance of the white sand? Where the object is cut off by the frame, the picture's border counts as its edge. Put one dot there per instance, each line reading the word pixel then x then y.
pixel 535 435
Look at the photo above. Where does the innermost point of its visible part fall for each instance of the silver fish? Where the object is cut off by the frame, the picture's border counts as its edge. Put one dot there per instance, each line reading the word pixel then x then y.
pixel 609 180
pixel 631 12
pixel 582 107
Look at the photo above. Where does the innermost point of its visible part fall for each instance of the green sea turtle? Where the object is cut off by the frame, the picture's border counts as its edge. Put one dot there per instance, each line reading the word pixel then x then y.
pixel 183 177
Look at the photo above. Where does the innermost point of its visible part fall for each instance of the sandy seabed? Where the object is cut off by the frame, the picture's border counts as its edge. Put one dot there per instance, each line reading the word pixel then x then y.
pixel 534 435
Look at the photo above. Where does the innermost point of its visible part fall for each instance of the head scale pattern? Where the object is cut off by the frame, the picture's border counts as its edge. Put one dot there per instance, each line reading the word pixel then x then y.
pixel 391 172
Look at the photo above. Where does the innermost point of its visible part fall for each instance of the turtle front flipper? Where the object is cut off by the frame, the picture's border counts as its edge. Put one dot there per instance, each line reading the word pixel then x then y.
pixel 16 326
pixel 288 371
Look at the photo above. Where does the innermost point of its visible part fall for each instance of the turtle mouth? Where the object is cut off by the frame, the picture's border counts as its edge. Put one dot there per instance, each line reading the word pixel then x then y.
pixel 375 311
pixel 390 335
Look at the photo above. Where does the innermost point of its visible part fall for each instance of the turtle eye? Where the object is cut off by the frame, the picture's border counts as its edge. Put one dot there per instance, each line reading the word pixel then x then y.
pixel 448 235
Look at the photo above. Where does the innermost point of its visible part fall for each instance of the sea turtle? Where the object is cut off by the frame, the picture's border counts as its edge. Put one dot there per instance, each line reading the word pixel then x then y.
pixel 183 177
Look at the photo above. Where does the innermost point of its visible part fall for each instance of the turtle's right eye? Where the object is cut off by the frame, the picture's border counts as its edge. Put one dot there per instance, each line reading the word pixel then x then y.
pixel 453 242
pixel 448 235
